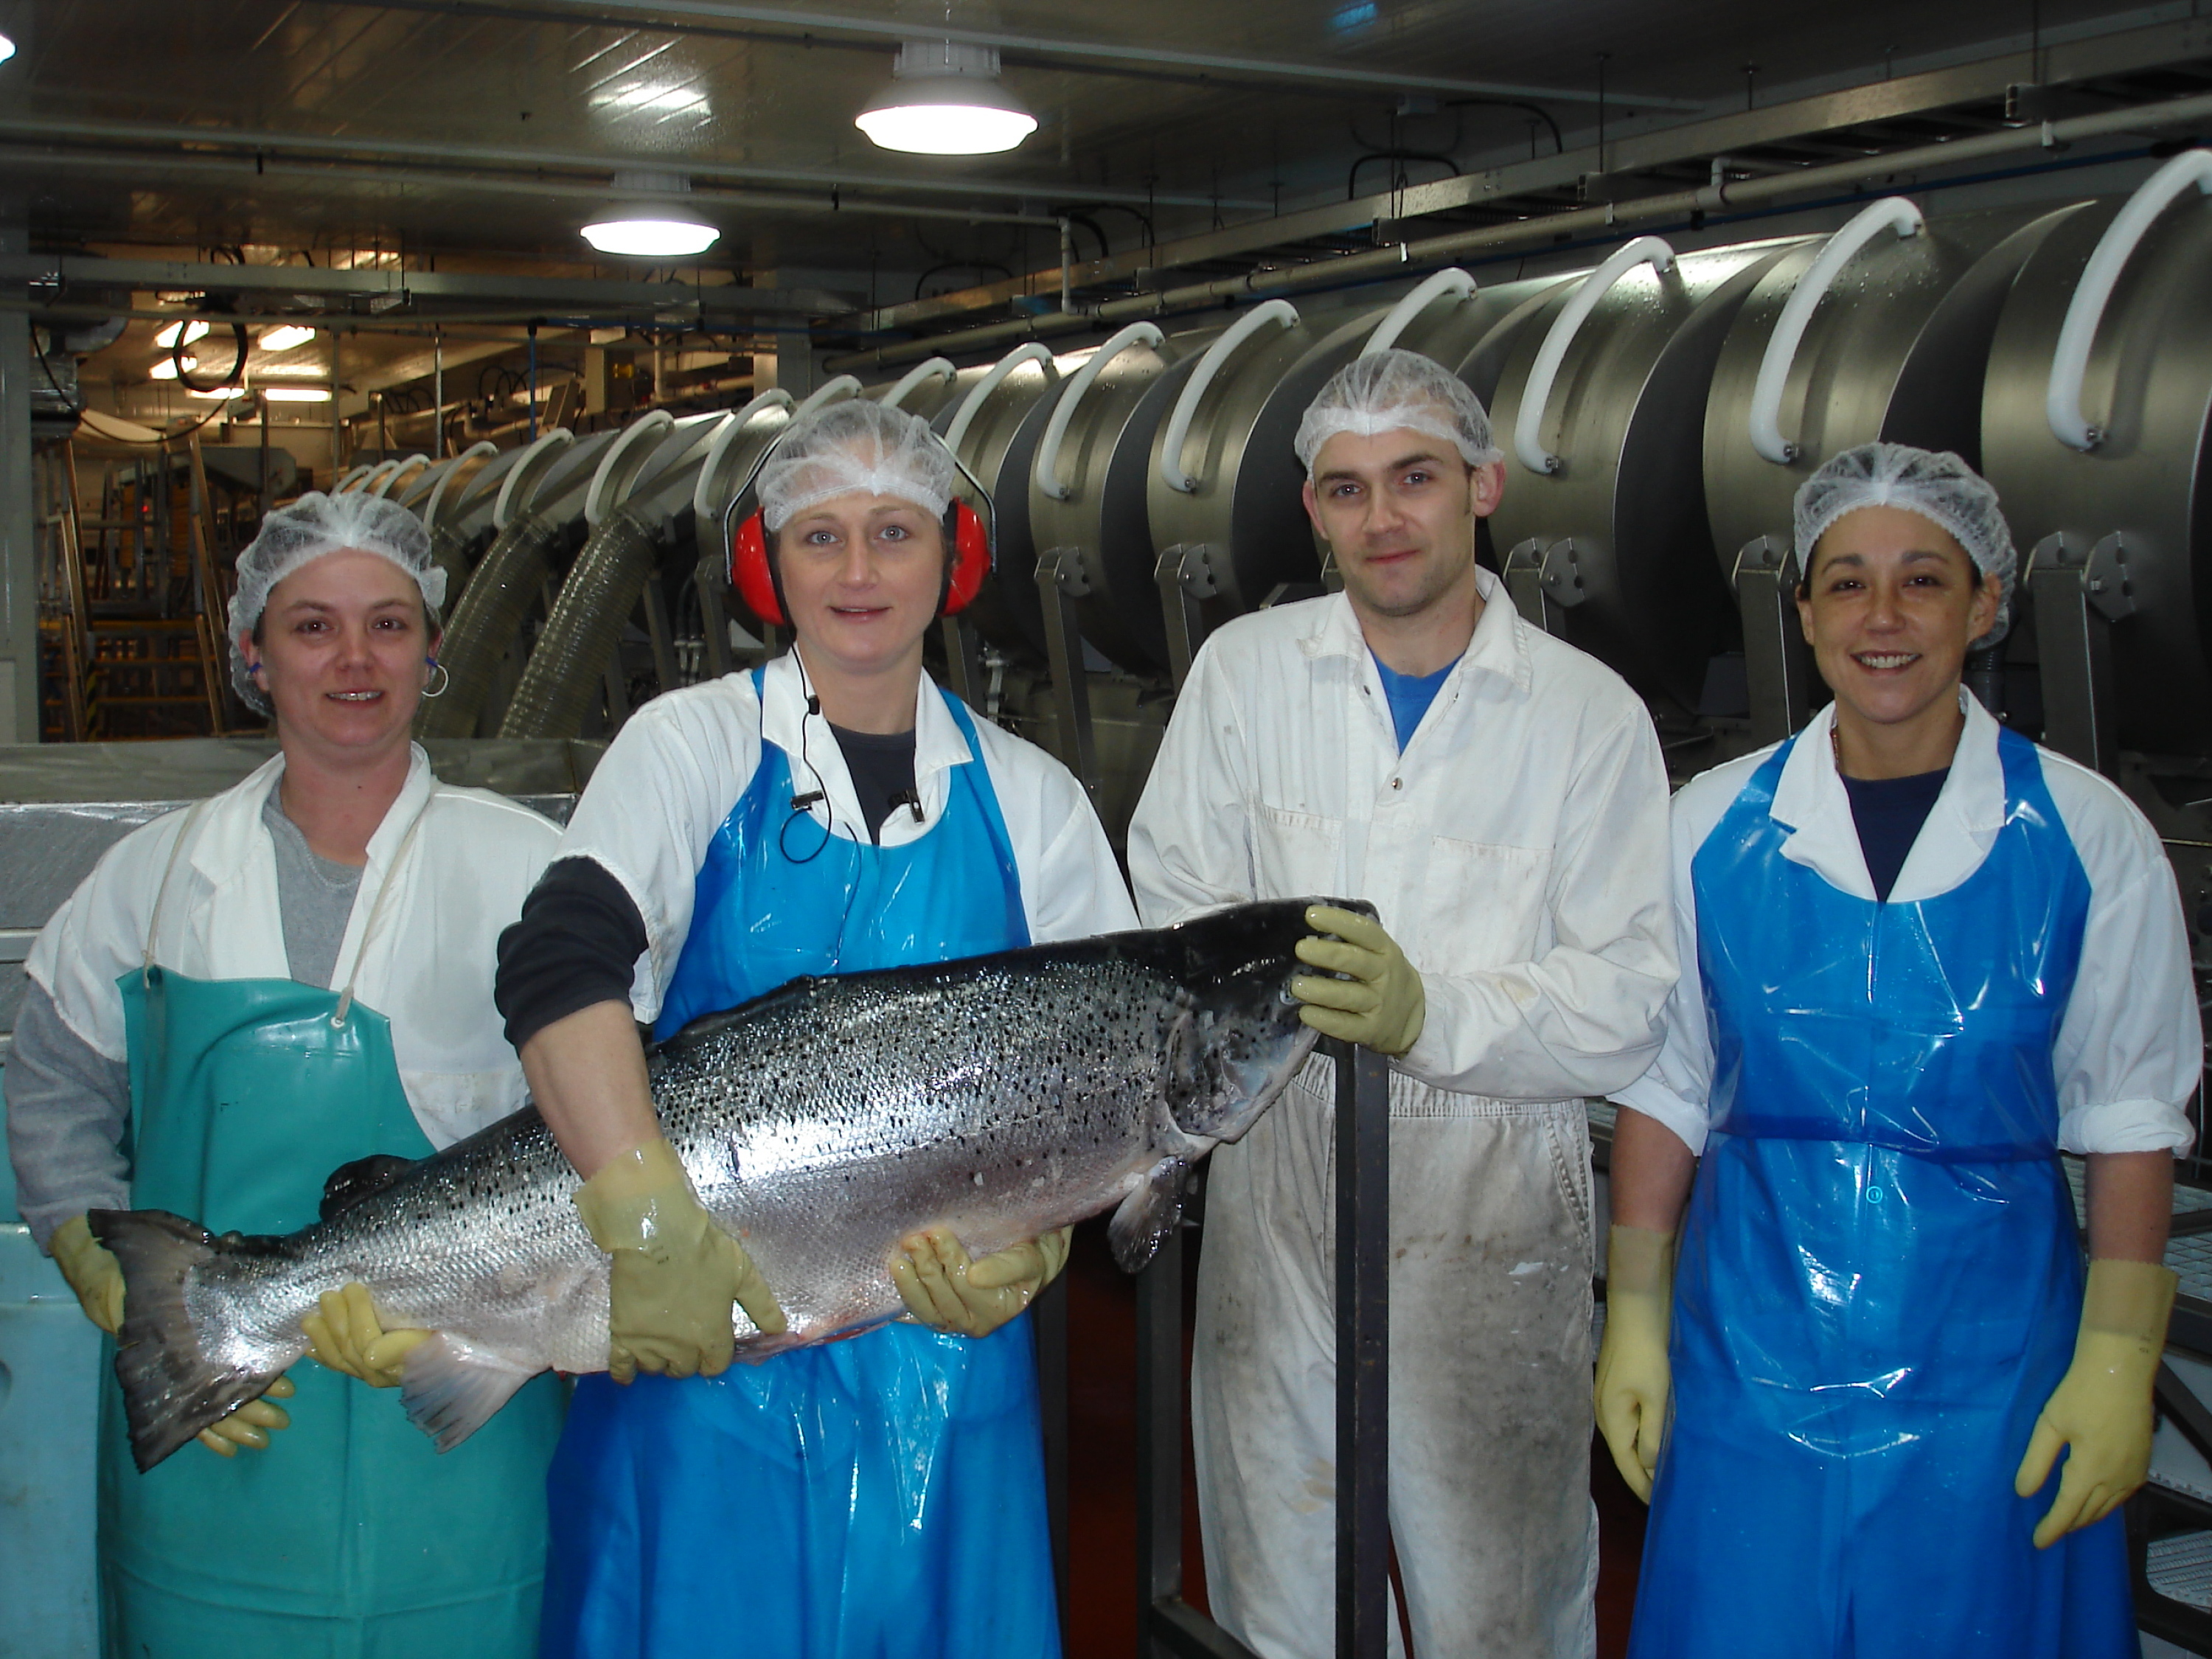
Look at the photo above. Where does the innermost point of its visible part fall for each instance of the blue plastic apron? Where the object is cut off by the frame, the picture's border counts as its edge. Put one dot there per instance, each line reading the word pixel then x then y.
pixel 348 1537
pixel 1879 1278
pixel 881 1498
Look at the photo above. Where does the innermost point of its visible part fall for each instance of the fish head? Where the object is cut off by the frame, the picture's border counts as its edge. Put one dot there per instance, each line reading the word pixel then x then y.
pixel 1243 1040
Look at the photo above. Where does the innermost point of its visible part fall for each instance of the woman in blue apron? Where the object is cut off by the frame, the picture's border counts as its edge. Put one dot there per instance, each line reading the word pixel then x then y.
pixel 832 812
pixel 242 997
pixel 1922 958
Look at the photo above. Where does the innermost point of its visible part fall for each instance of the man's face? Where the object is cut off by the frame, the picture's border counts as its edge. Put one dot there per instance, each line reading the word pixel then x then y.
pixel 1398 509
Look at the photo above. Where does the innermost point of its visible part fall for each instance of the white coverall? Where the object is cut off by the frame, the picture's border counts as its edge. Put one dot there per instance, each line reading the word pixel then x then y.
pixel 1517 852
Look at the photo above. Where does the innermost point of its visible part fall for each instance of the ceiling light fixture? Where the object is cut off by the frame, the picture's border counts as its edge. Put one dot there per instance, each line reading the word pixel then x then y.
pixel 656 225
pixel 284 336
pixel 296 394
pixel 166 339
pixel 166 368
pixel 6 48
pixel 218 394
pixel 290 371
pixel 944 98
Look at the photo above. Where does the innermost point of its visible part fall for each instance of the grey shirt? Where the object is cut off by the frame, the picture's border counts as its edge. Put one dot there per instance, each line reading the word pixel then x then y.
pixel 68 1104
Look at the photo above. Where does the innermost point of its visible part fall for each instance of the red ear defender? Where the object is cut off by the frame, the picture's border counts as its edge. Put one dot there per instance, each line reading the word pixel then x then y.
pixel 749 571
pixel 971 557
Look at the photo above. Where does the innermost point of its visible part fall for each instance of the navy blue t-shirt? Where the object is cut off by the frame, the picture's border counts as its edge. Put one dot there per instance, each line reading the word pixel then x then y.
pixel 1410 695
pixel 1889 812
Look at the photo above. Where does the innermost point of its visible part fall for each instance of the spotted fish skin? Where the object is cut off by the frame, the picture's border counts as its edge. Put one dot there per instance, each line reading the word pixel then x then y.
pixel 1000 1096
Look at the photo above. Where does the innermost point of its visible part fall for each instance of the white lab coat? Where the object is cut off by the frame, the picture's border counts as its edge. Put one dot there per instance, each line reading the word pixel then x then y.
pixel 1516 852
pixel 2130 1049
pixel 676 769
pixel 427 965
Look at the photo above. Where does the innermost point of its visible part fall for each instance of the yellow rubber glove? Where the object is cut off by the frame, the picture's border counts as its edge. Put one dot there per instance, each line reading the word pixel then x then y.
pixel 347 1336
pixel 947 1292
pixel 2101 1410
pixel 1633 1380
pixel 675 1273
pixel 252 1423
pixel 1381 1006
pixel 92 1271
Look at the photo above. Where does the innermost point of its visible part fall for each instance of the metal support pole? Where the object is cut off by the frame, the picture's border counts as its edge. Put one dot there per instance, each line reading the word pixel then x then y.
pixel 1061 582
pixel 964 661
pixel 533 380
pixel 337 414
pixel 1777 663
pixel 20 720
pixel 438 395
pixel 1168 1625
pixel 2078 594
pixel 1363 1354
pixel 1185 576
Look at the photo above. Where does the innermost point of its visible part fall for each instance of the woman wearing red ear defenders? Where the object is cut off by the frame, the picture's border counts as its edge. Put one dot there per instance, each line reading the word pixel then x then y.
pixel 833 812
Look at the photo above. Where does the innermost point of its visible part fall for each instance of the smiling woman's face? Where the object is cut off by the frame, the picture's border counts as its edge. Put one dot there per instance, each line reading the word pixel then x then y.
pixel 861 576
pixel 1889 607
pixel 344 653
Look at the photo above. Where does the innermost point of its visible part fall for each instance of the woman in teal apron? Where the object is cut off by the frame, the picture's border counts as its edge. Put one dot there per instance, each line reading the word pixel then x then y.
pixel 343 863
pixel 833 812
pixel 1922 958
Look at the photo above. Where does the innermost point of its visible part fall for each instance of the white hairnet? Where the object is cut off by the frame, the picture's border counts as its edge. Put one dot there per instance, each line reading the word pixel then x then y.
pixel 1393 390
pixel 858 445
pixel 1937 485
pixel 304 531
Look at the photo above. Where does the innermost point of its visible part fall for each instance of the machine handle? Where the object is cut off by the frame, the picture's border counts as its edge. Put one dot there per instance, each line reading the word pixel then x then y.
pixel 829 392
pixel 1055 431
pixel 1030 351
pixel 528 472
pixel 719 446
pixel 617 468
pixel 1186 409
pixel 484 447
pixel 933 368
pixel 404 467
pixel 1454 282
pixel 1891 213
pixel 2062 400
pixel 1528 444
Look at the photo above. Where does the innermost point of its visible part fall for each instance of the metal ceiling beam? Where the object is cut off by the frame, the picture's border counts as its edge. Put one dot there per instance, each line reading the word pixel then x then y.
pixel 1891 171
pixel 140 162
pixel 1093 55
pixel 2124 52
pixel 558 294
pixel 440 151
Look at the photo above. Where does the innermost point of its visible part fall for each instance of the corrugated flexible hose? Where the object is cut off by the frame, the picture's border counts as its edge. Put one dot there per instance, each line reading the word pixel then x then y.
pixel 566 673
pixel 484 623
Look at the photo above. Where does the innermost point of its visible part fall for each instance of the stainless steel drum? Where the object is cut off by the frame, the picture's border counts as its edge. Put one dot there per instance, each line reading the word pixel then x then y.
pixel 1086 489
pixel 1881 330
pixel 1221 482
pixel 993 428
pixel 2094 420
pixel 1600 409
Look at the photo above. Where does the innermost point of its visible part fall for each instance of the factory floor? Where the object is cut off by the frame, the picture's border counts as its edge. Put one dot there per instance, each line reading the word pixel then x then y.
pixel 1101 1617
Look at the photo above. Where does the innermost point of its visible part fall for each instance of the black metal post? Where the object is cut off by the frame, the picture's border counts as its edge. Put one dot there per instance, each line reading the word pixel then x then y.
pixel 1167 1625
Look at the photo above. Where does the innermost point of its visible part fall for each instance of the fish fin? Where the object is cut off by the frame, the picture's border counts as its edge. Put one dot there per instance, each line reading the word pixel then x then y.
pixel 1148 1214
pixel 171 1390
pixel 350 1183
pixel 451 1387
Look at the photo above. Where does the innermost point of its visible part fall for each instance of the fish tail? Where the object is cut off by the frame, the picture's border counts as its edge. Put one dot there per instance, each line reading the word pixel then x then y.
pixel 171 1388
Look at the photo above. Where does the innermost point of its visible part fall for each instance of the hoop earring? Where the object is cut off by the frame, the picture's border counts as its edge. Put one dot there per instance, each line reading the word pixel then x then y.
pixel 440 668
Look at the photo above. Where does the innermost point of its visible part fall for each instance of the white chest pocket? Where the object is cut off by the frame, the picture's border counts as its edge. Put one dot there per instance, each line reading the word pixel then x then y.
pixel 1295 853
pixel 1482 906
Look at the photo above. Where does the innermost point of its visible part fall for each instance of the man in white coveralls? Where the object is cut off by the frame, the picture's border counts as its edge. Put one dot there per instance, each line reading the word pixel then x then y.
pixel 1500 797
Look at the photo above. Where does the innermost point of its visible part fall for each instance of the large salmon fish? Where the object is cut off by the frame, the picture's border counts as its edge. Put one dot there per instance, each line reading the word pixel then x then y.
pixel 1000 1096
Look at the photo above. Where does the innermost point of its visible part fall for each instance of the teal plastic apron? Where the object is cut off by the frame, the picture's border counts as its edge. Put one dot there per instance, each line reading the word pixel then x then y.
pixel 348 1535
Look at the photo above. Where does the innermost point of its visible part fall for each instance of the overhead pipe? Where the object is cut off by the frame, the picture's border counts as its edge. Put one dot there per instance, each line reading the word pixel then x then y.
pixel 1408 257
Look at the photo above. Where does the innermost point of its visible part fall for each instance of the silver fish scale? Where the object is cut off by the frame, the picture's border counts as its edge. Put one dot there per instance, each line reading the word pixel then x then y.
pixel 819 1133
